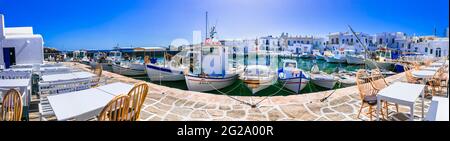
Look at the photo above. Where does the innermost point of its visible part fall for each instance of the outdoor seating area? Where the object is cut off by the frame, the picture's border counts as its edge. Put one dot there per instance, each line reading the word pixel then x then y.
pixel 66 93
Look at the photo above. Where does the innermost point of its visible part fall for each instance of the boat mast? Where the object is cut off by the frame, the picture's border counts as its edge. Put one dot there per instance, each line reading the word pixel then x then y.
pixel 365 49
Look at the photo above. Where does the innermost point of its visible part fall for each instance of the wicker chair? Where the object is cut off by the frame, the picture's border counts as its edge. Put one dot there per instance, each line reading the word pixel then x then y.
pixel 12 106
pixel 137 97
pixel 366 93
pixel 116 109
pixel 409 77
pixel 98 75
pixel 435 82
pixel 378 83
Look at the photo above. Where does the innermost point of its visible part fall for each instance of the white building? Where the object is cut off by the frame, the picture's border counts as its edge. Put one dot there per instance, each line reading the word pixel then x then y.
pixel 349 41
pixel 431 46
pixel 289 42
pixel 19 45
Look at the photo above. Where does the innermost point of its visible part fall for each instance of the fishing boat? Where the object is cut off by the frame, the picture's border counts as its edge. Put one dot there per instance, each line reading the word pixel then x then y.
pixel 382 59
pixel 353 58
pixel 99 58
pixel 171 69
pixel 258 77
pixel 322 79
pixel 346 79
pixel 337 57
pixel 130 68
pixel 291 77
pixel 318 55
pixel 215 71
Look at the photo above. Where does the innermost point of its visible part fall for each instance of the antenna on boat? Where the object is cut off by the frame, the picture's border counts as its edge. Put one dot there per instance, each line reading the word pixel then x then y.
pixel 366 50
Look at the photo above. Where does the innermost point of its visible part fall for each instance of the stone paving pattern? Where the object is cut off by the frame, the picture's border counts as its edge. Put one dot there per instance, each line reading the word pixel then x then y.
pixel 169 104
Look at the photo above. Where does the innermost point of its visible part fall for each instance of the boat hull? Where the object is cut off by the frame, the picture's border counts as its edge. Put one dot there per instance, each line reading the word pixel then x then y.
pixel 335 60
pixel 355 60
pixel 381 65
pixel 256 85
pixel 105 66
pixel 295 84
pixel 208 84
pixel 157 73
pixel 320 57
pixel 323 81
pixel 128 71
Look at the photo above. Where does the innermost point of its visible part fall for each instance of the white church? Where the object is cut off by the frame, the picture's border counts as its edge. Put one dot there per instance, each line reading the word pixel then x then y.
pixel 19 45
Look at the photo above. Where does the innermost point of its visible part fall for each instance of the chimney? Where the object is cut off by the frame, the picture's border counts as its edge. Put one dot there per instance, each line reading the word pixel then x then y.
pixel 2 26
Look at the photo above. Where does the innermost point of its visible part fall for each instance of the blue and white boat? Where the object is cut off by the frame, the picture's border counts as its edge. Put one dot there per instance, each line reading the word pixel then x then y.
pixel 168 70
pixel 291 77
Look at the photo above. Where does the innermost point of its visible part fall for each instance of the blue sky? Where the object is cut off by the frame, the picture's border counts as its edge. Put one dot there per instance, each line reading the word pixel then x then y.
pixel 101 24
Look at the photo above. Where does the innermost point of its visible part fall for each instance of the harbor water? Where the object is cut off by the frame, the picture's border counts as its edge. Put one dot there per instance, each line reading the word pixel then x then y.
pixel 239 89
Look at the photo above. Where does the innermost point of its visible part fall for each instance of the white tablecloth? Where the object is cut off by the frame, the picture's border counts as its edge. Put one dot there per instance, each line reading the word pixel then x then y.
pixel 423 74
pixel 83 105
pixel 67 76
pixel 403 94
pixel 432 69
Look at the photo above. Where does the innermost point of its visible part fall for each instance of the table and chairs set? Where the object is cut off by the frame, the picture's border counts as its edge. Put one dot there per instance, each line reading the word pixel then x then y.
pixel 68 94
pixel 421 81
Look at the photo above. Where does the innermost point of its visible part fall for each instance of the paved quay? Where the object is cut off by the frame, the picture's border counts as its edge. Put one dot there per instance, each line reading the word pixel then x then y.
pixel 170 104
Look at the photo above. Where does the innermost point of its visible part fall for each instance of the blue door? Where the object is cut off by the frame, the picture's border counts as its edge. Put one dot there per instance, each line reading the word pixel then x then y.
pixel 9 56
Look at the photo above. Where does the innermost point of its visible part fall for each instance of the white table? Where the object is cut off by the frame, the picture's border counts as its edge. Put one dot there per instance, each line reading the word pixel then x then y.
pixel 439 110
pixel 67 76
pixel 435 69
pixel 83 105
pixel 402 94
pixel 424 74
pixel 437 64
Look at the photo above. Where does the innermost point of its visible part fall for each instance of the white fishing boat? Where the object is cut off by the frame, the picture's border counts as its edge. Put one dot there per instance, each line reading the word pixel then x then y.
pixel 258 77
pixel 322 79
pixel 353 58
pixel 381 60
pixel 100 58
pixel 169 70
pixel 337 57
pixel 215 71
pixel 291 77
pixel 318 55
pixel 346 79
pixel 205 83
pixel 130 68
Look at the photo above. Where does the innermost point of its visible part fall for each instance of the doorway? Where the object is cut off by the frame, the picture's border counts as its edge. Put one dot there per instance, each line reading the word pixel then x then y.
pixel 9 56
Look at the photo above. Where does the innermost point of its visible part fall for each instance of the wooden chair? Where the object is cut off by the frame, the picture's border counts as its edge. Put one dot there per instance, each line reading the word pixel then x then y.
pixel 428 62
pixel 137 97
pixel 416 65
pixel 435 82
pixel 116 109
pixel 378 83
pixel 12 106
pixel 409 77
pixel 366 93
pixel 98 75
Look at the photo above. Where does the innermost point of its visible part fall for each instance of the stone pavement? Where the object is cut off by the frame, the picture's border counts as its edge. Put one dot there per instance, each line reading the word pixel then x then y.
pixel 169 104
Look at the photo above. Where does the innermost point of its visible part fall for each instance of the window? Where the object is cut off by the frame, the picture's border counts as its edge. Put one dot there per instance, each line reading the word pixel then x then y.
pixel 343 41
pixel 366 41
pixel 426 49
pixel 431 51
pixel 351 41
pixel 302 42
pixel 409 46
pixel 307 42
pixel 393 40
pixel 381 41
